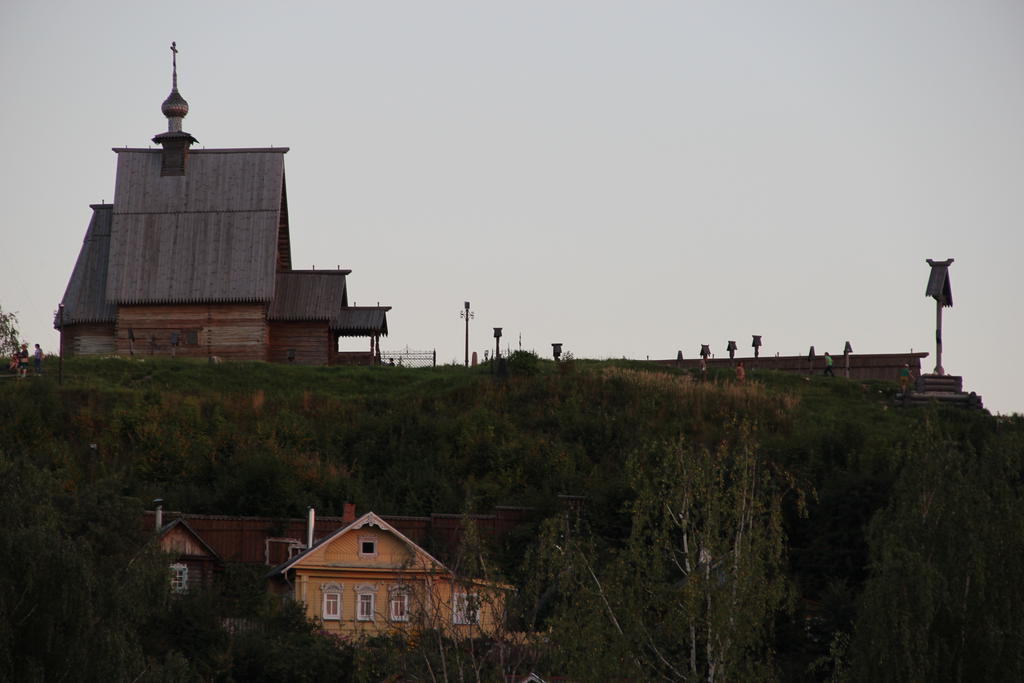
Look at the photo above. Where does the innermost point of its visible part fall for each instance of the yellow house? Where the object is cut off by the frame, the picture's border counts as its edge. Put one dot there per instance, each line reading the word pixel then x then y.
pixel 368 578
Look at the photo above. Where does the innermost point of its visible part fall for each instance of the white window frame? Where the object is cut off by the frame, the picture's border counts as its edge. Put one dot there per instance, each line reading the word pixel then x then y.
pixel 179 577
pixel 366 605
pixel 465 609
pixel 332 592
pixel 368 539
pixel 399 595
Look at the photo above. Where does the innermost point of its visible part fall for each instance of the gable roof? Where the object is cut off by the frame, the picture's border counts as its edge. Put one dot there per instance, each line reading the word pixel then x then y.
pixel 182 524
pixel 210 235
pixel 84 299
pixel 368 519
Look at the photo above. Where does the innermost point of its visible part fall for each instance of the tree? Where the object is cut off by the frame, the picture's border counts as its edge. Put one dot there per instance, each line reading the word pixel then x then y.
pixel 945 596
pixel 9 338
pixel 78 580
pixel 692 593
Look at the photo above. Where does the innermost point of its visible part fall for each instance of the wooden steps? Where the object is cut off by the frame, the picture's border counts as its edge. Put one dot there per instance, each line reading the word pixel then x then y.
pixel 942 389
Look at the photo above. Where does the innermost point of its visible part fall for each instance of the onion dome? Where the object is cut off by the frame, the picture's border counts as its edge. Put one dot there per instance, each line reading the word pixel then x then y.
pixel 175 105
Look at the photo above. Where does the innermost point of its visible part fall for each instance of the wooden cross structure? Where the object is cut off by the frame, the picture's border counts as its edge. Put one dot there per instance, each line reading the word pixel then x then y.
pixel 939 289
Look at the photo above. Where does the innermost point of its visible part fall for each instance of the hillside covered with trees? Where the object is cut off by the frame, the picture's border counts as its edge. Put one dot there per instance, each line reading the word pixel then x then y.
pixel 788 528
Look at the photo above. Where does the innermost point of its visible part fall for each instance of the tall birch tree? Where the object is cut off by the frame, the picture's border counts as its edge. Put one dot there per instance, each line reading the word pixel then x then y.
pixel 692 593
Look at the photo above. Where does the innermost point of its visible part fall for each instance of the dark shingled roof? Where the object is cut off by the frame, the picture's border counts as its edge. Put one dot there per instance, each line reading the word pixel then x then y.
pixel 938 282
pixel 84 300
pixel 321 295
pixel 207 236
pixel 361 321
pixel 308 295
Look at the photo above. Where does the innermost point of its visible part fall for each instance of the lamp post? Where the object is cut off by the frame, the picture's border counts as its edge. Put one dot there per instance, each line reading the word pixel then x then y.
pixel 810 361
pixel 467 315
pixel 556 350
pixel 731 348
pixel 847 350
pixel 497 342
pixel 756 344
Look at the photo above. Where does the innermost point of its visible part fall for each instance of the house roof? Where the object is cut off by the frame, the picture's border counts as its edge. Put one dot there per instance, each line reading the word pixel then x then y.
pixel 181 523
pixel 209 235
pixel 368 519
pixel 308 295
pixel 361 321
pixel 322 295
pixel 84 300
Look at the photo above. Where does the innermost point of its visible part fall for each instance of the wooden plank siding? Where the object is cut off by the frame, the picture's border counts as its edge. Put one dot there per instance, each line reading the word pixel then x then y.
pixel 89 340
pixel 311 342
pixel 230 331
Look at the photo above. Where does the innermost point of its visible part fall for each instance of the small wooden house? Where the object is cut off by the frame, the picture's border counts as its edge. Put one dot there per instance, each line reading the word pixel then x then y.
pixel 194 563
pixel 193 258
pixel 368 578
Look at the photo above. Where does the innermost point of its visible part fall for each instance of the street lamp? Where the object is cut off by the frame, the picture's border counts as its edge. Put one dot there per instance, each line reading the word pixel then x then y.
pixel 467 315
pixel 756 344
pixel 497 341
pixel 731 348
pixel 556 350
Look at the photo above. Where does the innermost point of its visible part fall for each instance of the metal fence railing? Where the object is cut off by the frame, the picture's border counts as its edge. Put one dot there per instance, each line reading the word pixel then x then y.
pixel 408 358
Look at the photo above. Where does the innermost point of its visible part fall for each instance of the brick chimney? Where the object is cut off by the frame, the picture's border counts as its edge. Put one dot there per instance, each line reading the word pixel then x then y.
pixel 348 514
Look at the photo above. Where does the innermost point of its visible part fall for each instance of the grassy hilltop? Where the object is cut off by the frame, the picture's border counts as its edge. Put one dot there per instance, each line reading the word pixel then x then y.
pixel 788 527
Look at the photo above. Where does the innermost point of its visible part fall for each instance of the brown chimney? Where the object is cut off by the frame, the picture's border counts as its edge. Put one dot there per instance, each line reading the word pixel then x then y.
pixel 348 514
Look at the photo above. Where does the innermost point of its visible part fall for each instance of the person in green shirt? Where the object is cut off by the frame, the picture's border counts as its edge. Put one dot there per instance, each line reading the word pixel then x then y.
pixel 905 377
pixel 828 365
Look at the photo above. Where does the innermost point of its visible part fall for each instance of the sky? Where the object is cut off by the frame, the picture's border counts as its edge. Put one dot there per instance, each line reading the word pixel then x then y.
pixel 630 179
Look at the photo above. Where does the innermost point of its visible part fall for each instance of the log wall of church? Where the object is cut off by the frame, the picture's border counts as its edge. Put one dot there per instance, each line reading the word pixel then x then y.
pixel 229 331
pixel 89 340
pixel 310 342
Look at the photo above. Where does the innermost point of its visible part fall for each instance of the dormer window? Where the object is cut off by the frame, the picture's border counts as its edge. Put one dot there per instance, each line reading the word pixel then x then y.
pixel 367 546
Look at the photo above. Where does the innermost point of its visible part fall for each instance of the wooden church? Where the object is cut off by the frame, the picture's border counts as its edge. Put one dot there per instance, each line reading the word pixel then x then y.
pixel 193 258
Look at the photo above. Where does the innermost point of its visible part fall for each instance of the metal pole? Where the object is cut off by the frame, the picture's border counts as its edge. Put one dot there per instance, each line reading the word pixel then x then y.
pixel 938 337
pixel 467 314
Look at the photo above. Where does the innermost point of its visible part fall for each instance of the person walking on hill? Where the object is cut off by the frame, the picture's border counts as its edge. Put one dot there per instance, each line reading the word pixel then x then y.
pixel 37 359
pixel 905 375
pixel 828 365
pixel 741 373
pixel 23 362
